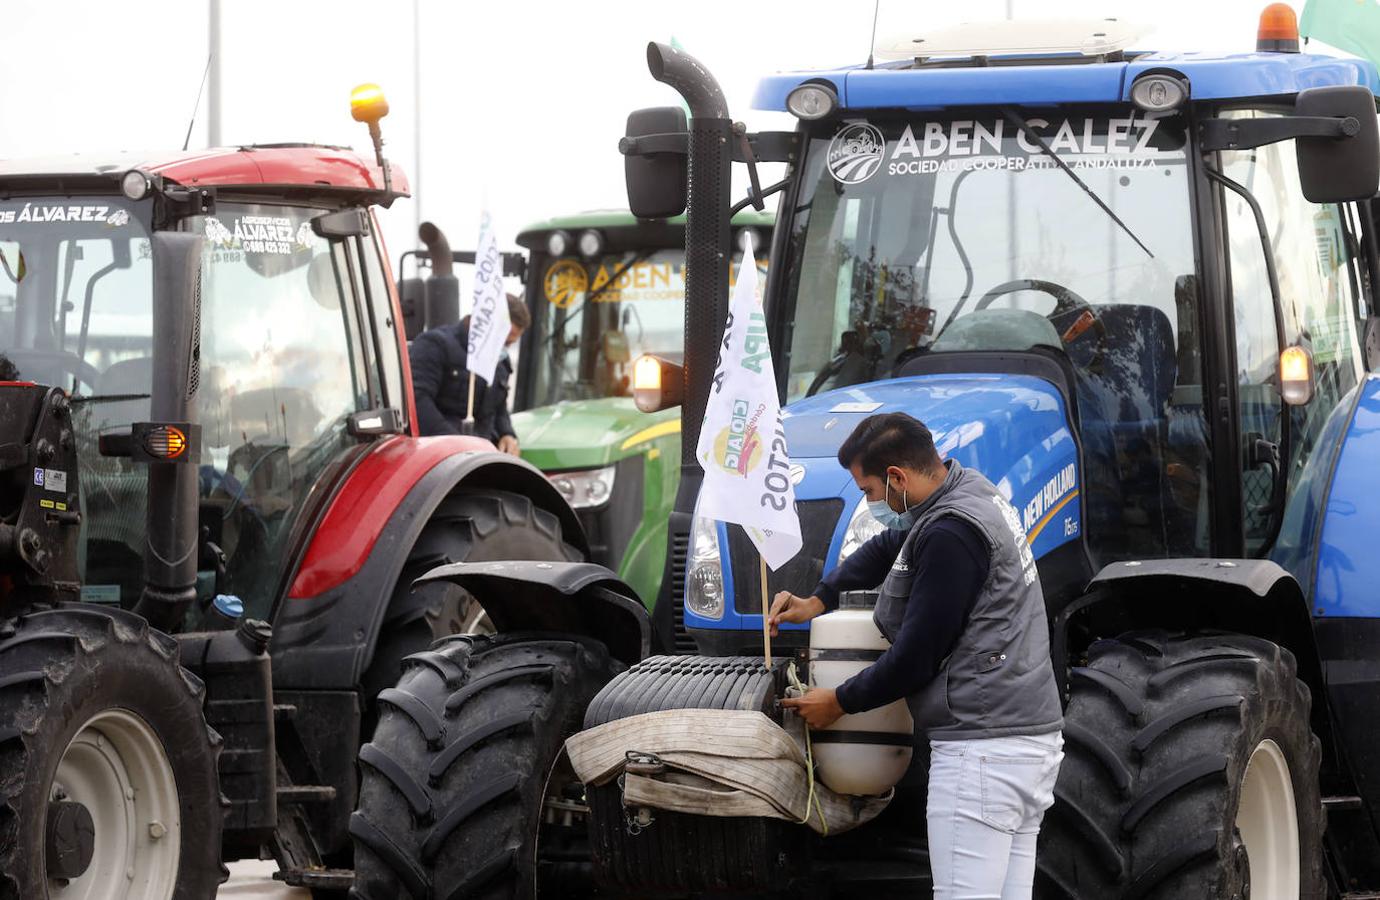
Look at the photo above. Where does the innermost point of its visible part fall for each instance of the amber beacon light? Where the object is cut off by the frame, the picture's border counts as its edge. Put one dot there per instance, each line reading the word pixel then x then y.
pixel 1278 31
pixel 368 104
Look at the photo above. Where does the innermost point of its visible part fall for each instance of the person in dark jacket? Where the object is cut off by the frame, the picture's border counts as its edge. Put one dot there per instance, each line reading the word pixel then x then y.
pixel 441 382
pixel 960 602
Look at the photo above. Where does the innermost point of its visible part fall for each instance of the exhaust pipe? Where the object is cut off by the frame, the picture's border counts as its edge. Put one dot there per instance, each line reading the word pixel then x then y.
pixel 442 288
pixel 707 240
pixel 170 548
pixel 707 253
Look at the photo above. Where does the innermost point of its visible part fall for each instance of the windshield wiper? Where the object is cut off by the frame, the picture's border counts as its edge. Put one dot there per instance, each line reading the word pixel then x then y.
pixel 598 292
pixel 1035 138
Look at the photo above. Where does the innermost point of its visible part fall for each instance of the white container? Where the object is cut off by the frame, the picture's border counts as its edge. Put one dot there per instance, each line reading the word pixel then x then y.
pixel 867 753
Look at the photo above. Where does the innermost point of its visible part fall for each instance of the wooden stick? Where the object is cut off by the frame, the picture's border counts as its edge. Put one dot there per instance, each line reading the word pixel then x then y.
pixel 766 609
pixel 469 409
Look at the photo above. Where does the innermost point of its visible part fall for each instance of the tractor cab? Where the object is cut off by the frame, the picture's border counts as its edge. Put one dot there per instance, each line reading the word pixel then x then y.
pixel 1065 272
pixel 294 343
pixel 605 289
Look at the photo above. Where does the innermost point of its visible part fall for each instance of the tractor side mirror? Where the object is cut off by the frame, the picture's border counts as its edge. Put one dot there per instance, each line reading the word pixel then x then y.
pixel 1339 169
pixel 656 162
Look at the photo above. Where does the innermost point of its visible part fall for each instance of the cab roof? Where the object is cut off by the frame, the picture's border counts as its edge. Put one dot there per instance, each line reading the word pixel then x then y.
pixel 293 166
pixel 1067 78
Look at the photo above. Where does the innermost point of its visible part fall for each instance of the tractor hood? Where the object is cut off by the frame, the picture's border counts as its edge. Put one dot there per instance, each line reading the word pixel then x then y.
pixel 581 434
pixel 1012 428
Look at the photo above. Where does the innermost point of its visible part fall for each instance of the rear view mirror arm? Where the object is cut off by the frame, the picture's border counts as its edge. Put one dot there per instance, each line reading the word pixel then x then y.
pixel 1245 134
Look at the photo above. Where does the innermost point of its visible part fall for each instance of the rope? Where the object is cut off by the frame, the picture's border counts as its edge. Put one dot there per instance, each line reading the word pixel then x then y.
pixel 811 801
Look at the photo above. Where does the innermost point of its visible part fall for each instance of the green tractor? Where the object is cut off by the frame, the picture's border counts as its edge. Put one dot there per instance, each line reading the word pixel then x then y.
pixel 603 287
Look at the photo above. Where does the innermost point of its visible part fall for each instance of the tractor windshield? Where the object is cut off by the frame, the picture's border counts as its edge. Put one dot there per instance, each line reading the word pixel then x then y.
pixel 925 234
pixel 596 316
pixel 282 369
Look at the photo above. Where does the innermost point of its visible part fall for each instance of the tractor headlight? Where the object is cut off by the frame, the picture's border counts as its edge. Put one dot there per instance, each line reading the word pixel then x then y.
pixel 1157 92
pixel 558 243
pixel 704 584
pixel 812 101
pixel 862 527
pixel 585 489
pixel 591 242
pixel 135 185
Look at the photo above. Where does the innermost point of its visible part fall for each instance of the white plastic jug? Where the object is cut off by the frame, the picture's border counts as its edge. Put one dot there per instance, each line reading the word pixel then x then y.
pixel 866 753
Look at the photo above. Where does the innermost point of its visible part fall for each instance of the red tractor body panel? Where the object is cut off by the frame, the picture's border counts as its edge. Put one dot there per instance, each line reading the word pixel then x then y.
pixel 364 504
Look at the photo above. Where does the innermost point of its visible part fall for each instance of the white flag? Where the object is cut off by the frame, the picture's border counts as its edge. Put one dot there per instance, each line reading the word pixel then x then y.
pixel 742 448
pixel 489 322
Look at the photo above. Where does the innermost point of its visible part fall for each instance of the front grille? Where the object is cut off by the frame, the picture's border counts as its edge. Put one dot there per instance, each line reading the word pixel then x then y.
pixel 799 576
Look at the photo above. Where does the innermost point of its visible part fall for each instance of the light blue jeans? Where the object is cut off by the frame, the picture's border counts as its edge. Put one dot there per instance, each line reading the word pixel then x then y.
pixel 987 798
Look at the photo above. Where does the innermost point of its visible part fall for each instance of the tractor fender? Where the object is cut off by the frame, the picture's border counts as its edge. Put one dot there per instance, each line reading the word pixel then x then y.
pixel 1247 596
pixel 580 599
pixel 326 627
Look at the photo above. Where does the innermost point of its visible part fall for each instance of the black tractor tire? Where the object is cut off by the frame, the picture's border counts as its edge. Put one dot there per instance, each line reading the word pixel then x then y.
pixel 471 525
pixel 1158 733
pixel 466 756
pixel 59 670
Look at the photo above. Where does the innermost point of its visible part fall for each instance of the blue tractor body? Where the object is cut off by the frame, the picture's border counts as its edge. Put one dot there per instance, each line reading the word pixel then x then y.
pixel 1013 427
pixel 1140 292
pixel 1100 298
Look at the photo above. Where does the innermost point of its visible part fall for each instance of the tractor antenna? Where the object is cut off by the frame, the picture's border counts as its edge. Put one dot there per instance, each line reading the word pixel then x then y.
pixel 872 44
pixel 197 105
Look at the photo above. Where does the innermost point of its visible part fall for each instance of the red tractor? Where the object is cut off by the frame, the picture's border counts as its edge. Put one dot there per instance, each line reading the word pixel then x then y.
pixel 213 503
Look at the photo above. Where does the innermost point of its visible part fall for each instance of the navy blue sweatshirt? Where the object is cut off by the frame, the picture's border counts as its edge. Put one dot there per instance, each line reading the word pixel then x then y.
pixel 950 562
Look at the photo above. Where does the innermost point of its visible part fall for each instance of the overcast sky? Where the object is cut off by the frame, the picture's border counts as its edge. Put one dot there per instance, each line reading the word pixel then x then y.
pixel 521 103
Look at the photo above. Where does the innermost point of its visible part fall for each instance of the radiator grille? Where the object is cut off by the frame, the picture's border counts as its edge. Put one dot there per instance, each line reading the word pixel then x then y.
pixel 799 576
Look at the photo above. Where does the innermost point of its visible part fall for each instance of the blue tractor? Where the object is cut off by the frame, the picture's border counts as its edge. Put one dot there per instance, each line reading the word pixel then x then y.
pixel 1138 292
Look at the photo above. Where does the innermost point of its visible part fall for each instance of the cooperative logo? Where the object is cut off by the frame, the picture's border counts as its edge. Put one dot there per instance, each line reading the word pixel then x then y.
pixel 565 282
pixel 738 446
pixel 855 153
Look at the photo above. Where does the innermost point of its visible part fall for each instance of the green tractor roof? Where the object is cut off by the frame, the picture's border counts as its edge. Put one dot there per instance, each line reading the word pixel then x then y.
pixel 626 231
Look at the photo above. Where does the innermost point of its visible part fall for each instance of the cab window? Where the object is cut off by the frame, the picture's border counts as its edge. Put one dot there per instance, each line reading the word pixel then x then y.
pixel 283 367
pixel 1317 282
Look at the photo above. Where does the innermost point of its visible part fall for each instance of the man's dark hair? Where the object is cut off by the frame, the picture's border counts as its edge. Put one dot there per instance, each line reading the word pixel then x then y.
pixel 890 439
pixel 517 312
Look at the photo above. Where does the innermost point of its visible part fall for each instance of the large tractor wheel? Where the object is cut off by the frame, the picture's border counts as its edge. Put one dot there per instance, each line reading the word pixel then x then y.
pixel 468 526
pixel 1190 770
pixel 109 788
pixel 467 790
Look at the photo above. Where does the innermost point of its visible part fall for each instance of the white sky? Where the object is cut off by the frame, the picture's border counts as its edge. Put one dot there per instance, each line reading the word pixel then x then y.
pixel 521 102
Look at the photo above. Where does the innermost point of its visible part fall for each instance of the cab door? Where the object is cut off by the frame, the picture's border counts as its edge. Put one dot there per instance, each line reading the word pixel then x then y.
pixel 289 362
pixel 1309 246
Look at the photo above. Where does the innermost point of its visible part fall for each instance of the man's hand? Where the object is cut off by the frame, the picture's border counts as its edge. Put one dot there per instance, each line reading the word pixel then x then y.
pixel 787 607
pixel 508 444
pixel 819 707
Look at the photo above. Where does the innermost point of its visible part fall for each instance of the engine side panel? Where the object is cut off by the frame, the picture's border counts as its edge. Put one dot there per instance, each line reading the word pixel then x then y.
pixel 1347 566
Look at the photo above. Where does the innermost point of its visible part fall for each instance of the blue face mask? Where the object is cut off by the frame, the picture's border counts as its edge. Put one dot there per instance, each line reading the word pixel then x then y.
pixel 889 518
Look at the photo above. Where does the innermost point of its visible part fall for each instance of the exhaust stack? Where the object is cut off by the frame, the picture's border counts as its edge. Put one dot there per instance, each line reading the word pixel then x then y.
pixel 707 241
pixel 170 548
pixel 442 288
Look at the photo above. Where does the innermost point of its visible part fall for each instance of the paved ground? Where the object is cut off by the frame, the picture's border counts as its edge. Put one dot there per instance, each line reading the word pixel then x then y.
pixel 253 880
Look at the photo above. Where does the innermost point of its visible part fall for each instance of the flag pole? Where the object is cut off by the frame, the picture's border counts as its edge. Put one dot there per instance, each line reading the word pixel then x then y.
pixel 469 408
pixel 766 625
